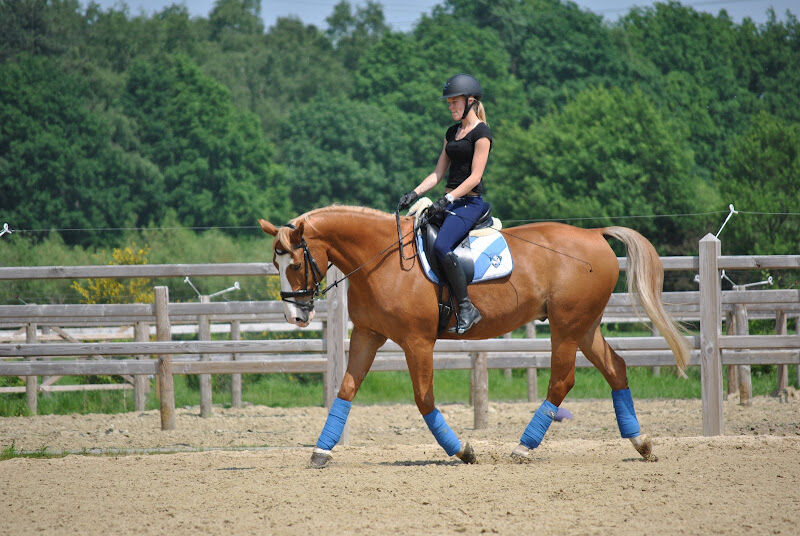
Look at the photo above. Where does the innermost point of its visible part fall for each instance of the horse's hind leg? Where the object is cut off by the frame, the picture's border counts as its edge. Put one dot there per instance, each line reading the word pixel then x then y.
pixel 562 378
pixel 597 350
pixel 364 344
pixel 419 357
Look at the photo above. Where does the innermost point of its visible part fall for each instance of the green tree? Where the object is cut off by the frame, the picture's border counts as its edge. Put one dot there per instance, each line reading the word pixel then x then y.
pixel 406 72
pixel 694 56
pixel 768 63
pixel 231 22
pixel 115 39
pixel 63 165
pixel 338 150
pixel 556 48
pixel 291 64
pixel 217 166
pixel 606 154
pixel 762 174
pixel 352 32
pixel 39 27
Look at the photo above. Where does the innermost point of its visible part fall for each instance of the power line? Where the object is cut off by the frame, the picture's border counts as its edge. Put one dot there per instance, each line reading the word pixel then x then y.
pixel 576 218
pixel 103 229
pixel 653 216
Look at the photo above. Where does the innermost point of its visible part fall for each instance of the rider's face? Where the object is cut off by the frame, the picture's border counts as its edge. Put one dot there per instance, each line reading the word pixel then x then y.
pixel 457 105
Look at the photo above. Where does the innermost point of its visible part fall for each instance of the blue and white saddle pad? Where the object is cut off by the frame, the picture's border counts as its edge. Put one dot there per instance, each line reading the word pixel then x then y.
pixel 487 248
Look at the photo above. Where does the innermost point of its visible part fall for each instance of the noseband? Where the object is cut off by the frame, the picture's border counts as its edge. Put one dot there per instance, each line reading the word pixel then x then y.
pixel 310 265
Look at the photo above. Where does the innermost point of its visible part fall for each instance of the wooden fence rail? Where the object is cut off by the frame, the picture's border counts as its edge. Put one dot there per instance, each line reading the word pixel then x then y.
pixel 709 304
pixel 725 262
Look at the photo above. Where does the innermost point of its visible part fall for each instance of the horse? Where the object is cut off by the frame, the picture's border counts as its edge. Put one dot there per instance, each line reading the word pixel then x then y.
pixel 562 273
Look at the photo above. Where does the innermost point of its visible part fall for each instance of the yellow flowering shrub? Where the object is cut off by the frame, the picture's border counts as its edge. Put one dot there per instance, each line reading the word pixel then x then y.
pixel 129 290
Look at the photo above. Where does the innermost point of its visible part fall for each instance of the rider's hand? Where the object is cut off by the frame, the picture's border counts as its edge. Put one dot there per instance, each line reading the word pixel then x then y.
pixel 407 200
pixel 438 207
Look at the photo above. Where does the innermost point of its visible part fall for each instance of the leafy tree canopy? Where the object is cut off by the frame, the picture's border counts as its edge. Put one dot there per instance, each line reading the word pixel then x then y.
pixel 113 119
pixel 762 174
pixel 606 154
pixel 216 163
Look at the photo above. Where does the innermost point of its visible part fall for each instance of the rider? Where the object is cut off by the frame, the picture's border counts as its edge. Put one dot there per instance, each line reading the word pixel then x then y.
pixel 465 151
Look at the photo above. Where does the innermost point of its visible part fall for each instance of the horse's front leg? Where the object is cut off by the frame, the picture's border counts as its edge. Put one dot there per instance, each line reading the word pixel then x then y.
pixel 562 378
pixel 364 343
pixel 419 356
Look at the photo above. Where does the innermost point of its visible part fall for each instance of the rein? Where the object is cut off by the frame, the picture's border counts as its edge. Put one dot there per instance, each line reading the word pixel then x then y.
pixel 400 238
pixel 316 274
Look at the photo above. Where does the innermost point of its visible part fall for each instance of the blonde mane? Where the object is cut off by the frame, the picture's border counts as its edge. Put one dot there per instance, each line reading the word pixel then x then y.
pixel 343 208
pixel 283 236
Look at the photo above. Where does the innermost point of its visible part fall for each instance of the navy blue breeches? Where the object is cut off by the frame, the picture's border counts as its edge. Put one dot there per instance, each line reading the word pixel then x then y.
pixel 455 227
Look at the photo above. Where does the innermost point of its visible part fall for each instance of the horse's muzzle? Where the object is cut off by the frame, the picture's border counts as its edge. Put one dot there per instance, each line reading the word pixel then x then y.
pixel 302 317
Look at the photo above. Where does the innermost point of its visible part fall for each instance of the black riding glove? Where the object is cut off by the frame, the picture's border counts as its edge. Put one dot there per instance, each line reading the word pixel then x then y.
pixel 438 208
pixel 407 200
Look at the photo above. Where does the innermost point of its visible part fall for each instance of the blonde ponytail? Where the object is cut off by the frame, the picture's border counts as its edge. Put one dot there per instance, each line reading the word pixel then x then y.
pixel 480 112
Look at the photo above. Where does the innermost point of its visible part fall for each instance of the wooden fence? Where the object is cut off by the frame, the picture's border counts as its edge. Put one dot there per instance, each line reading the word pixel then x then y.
pixel 709 305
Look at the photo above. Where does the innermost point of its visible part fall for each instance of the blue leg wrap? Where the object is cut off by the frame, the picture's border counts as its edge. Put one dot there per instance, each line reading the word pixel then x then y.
pixel 334 426
pixel 541 421
pixel 626 415
pixel 444 435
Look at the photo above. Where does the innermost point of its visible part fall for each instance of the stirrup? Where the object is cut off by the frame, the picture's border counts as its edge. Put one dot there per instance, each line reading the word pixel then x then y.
pixel 460 328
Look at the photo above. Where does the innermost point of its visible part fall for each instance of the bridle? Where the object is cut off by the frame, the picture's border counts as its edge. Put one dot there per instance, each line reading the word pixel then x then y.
pixel 310 265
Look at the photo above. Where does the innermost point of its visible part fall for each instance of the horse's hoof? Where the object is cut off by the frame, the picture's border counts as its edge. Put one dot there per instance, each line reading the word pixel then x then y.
pixel 520 453
pixel 320 458
pixel 644 447
pixel 467 454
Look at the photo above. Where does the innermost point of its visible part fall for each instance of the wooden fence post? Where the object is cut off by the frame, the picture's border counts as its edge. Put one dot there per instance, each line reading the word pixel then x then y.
pixel 31 382
pixel 335 334
pixel 480 389
pixel 783 370
pixel 797 330
pixel 471 401
pixel 654 332
pixel 141 333
pixel 236 379
pixel 204 334
pixel 745 380
pixel 710 330
pixel 166 386
pixel 532 376
pixel 733 373
pixel 508 373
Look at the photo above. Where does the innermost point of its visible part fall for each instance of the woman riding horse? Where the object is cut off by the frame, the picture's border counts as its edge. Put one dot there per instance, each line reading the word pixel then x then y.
pixel 465 151
pixel 561 273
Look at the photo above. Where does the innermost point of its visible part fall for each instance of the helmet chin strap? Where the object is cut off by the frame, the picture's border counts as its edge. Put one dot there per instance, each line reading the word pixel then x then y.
pixel 467 108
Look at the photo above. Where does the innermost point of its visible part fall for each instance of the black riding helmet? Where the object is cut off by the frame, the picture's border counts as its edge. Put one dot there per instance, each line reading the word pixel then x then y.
pixel 463 84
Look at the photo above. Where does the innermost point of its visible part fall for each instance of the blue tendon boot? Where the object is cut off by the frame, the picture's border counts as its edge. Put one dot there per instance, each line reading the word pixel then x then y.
pixel 536 429
pixel 629 424
pixel 331 433
pixel 447 438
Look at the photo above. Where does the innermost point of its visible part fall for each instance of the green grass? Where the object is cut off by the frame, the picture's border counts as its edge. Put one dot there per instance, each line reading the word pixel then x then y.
pixel 11 452
pixel 451 386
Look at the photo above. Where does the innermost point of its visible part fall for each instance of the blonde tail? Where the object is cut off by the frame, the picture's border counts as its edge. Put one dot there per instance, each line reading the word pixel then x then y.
pixel 645 282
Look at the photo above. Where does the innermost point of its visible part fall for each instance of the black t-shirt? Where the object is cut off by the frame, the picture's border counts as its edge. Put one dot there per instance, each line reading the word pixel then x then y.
pixel 461 152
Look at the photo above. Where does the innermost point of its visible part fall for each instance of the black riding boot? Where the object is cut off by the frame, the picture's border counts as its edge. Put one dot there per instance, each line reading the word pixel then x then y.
pixel 468 315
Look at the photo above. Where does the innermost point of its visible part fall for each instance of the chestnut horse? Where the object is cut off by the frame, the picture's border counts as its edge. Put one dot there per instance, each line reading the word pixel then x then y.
pixel 563 273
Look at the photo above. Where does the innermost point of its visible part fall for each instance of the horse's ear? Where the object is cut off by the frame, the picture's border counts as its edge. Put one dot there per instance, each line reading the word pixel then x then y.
pixel 267 227
pixel 297 234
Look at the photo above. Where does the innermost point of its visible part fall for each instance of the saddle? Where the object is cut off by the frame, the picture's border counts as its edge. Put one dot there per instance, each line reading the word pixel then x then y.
pixel 483 254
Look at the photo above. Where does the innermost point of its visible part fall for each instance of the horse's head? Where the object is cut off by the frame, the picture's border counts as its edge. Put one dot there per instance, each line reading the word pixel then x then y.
pixel 301 266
